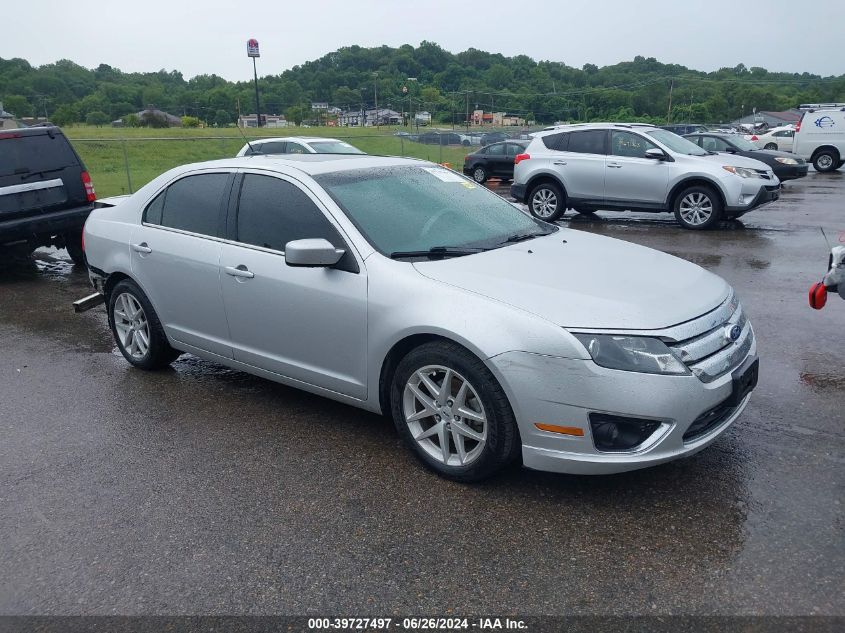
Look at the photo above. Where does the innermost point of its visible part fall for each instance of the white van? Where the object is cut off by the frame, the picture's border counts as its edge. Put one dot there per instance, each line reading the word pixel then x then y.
pixel 820 135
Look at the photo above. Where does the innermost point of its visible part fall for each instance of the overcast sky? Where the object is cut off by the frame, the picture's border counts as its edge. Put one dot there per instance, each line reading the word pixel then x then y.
pixel 209 36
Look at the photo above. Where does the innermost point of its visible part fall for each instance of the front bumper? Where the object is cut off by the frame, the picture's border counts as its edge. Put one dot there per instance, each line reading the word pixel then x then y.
pixel 752 196
pixel 791 172
pixel 563 391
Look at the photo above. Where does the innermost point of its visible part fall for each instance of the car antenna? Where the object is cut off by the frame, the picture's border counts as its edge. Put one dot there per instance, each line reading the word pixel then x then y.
pixel 825 238
pixel 252 151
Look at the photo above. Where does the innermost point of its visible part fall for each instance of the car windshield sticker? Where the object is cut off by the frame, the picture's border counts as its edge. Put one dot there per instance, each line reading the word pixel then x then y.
pixel 444 174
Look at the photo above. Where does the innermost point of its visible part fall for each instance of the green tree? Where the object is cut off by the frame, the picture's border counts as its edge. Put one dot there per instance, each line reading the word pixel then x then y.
pixel 190 121
pixel 17 105
pixel 222 118
pixel 97 118
pixel 132 120
pixel 65 115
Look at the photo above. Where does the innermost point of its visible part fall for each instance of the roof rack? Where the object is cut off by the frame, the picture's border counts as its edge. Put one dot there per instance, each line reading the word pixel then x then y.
pixel 821 106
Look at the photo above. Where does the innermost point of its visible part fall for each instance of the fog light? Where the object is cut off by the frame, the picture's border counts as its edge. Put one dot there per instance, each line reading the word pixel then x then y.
pixel 613 433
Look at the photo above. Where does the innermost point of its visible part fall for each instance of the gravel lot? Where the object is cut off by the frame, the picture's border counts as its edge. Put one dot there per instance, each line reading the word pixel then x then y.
pixel 202 490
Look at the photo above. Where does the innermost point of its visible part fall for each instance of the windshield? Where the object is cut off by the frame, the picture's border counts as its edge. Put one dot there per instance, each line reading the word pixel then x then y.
pixel 676 143
pixel 334 147
pixel 745 146
pixel 414 208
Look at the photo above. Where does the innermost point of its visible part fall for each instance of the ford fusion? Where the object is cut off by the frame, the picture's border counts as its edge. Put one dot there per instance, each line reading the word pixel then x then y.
pixel 401 287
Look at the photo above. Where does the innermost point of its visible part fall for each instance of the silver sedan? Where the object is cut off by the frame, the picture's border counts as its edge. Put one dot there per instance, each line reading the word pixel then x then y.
pixel 401 287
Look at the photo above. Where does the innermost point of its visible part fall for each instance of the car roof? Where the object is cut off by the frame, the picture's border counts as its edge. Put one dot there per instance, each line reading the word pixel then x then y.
pixel 592 126
pixel 32 131
pixel 304 139
pixel 310 164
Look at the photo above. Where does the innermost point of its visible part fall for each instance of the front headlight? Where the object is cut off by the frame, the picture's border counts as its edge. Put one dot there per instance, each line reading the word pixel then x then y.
pixel 786 160
pixel 742 172
pixel 632 353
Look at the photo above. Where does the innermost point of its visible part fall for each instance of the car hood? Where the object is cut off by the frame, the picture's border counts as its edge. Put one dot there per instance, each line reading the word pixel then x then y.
pixel 735 160
pixel 774 153
pixel 580 280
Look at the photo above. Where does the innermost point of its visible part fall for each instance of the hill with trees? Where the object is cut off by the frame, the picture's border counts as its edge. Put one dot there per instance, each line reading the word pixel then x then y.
pixel 444 83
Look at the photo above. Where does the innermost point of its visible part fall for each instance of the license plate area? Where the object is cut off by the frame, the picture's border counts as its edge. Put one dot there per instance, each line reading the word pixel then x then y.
pixel 744 380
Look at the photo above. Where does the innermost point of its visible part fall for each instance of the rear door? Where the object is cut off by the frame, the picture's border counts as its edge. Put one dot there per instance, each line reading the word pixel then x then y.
pixel 39 173
pixel 630 177
pixel 582 165
pixel 175 257
pixel 497 159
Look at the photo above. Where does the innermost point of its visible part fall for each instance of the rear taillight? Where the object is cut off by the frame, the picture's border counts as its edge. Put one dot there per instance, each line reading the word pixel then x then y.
pixel 798 125
pixel 520 157
pixel 754 137
pixel 90 194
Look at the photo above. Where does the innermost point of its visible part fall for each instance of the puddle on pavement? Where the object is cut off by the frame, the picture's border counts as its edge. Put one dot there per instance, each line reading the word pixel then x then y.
pixel 823 382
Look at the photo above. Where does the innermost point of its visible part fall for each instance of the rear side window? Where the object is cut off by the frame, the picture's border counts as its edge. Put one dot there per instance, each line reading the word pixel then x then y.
pixel 558 142
pixel 190 204
pixel 495 150
pixel 273 147
pixel 273 212
pixel 588 142
pixel 26 154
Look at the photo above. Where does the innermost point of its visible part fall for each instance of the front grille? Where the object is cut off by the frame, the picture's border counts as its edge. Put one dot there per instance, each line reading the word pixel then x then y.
pixel 708 421
pixel 772 187
pixel 708 352
pixel 764 174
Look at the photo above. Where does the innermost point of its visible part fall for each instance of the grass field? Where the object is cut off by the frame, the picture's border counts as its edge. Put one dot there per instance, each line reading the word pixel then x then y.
pixel 149 152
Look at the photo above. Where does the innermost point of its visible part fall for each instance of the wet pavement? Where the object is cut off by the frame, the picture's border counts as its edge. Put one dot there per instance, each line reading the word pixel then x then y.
pixel 201 490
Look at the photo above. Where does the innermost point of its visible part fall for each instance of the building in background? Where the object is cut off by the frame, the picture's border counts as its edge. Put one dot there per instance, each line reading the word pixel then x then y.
pixel 7 119
pixel 371 117
pixel 497 119
pixel 422 118
pixel 767 119
pixel 267 120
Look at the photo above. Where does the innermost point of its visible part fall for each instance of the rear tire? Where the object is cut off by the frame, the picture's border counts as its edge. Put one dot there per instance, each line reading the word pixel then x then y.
pixel 479 174
pixel 826 160
pixel 136 328
pixel 472 415
pixel 546 202
pixel 771 146
pixel 73 246
pixel 698 208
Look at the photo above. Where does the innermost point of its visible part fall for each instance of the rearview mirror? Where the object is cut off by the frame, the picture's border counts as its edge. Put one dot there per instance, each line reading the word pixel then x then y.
pixel 312 253
pixel 655 153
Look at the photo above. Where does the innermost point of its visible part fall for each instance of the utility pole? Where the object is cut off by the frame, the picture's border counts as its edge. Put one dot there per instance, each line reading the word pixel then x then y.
pixel 669 113
pixel 375 95
pixel 467 112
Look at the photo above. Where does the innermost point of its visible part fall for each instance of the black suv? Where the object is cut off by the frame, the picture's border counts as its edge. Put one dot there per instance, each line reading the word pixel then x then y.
pixel 45 192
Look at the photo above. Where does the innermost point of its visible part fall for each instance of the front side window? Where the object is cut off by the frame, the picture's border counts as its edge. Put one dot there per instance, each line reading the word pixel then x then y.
pixel 629 144
pixel 411 208
pixel 273 212
pixel 190 204
pixel 495 150
pixel 588 142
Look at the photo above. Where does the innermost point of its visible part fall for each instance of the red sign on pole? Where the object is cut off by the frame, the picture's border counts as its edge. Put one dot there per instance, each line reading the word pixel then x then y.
pixel 252 48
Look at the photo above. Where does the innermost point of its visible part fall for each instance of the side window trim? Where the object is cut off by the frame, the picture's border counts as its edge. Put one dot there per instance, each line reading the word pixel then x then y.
pixel 231 234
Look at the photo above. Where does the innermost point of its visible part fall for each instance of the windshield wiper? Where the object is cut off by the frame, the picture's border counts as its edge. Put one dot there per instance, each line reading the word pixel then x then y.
pixel 521 237
pixel 437 251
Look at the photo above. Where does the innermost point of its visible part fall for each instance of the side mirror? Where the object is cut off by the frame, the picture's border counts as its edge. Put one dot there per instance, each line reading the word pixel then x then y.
pixel 655 154
pixel 312 253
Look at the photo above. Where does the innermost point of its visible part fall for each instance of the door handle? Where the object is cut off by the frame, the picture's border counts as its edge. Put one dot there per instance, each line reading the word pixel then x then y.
pixel 141 248
pixel 560 162
pixel 615 165
pixel 239 271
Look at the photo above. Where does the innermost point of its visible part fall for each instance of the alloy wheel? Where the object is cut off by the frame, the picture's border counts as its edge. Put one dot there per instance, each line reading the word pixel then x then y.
pixel 544 203
pixel 130 322
pixel 696 208
pixel 478 175
pixel 444 415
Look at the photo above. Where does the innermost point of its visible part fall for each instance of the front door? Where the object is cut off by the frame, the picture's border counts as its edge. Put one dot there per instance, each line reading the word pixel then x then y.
pixel 308 324
pixel 629 176
pixel 175 257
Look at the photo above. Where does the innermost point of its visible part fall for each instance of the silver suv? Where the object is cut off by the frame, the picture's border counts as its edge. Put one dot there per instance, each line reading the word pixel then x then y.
pixel 634 167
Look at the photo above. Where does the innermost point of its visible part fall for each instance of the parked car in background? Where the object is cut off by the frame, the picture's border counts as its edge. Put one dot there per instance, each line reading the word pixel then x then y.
pixel 785 165
pixel 493 161
pixel 298 145
pixel 820 136
pixel 493 137
pixel 398 286
pixel 46 193
pixel 684 128
pixel 637 167
pixel 470 139
pixel 779 138
pixel 440 138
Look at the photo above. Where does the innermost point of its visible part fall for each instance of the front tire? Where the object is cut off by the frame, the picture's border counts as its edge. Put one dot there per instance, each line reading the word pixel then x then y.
pixel 546 202
pixel 698 208
pixel 770 146
pixel 826 160
pixel 452 411
pixel 136 328
pixel 479 175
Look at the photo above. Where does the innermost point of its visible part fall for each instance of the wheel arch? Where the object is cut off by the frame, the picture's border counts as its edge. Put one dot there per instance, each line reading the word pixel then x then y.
pixel 541 178
pixel 696 181
pixel 822 148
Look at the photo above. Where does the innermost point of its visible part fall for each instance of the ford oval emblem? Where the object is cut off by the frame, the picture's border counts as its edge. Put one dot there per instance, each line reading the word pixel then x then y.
pixel 733 332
